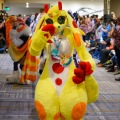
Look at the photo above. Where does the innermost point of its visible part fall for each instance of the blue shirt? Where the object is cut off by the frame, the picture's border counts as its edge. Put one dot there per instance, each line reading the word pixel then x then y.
pixel 108 28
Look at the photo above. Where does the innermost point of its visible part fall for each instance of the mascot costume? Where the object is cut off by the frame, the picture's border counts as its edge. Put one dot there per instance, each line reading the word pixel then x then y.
pixel 25 65
pixel 63 91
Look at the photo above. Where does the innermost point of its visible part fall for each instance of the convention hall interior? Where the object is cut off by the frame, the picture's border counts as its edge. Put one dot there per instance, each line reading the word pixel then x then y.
pixel 59 59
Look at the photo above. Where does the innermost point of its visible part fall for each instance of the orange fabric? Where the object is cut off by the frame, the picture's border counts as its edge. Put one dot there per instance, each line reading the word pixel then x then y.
pixel 22 79
pixel 32 78
pixel 8 29
pixel 57 116
pixel 40 110
pixel 78 111
pixel 77 39
pixel 62 117
pixel 11 19
pixel 27 77
pixel 30 64
pixel 30 67
pixel 8 26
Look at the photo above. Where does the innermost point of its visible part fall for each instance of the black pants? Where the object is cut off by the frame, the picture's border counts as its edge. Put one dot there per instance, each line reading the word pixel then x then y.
pixel 15 66
pixel 117 51
pixel 104 55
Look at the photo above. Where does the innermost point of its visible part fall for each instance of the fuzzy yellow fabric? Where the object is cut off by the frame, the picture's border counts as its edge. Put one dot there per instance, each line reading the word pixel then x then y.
pixel 73 100
pixel 15 54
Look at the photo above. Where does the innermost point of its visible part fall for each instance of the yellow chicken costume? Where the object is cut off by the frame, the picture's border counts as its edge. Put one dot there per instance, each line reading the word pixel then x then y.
pixel 63 91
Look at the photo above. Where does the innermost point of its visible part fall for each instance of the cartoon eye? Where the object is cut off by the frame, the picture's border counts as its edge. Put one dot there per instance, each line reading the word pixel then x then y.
pixel 49 21
pixel 61 19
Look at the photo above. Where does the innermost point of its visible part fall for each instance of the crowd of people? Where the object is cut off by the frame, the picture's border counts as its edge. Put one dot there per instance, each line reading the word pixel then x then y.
pixel 101 38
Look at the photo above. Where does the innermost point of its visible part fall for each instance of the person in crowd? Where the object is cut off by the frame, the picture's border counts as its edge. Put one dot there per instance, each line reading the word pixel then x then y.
pixel 114 18
pixel 29 19
pixel 35 21
pixel 90 44
pixel 107 28
pixel 91 27
pixel 2 35
pixel 97 21
pixel 105 52
pixel 116 36
pixel 2 44
pixel 83 26
pixel 111 62
pixel 2 27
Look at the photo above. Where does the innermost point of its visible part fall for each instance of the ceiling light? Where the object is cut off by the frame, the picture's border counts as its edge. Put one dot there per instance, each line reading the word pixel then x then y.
pixel 27 5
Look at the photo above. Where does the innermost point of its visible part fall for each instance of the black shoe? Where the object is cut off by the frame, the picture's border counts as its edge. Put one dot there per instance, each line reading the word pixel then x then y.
pixel 117 79
pixel 116 73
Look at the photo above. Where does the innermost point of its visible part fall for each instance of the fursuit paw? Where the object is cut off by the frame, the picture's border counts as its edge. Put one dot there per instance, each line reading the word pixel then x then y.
pixel 14 78
pixel 50 29
pixel 80 72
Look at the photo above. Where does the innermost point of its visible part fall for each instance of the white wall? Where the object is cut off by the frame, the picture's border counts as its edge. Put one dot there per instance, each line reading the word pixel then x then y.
pixel 23 11
pixel 76 4
pixel 72 5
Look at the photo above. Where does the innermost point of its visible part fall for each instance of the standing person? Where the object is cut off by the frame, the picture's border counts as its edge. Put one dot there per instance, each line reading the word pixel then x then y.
pixel 18 50
pixel 38 17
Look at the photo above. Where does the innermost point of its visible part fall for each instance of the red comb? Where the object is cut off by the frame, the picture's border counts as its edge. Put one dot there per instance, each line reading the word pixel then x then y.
pixel 46 8
pixel 60 5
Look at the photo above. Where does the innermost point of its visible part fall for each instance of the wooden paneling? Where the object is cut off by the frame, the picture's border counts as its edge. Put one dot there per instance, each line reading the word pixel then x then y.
pixel 1 4
pixel 115 6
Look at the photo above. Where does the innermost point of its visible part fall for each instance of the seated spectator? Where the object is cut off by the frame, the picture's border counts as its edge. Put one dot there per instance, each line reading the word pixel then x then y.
pixel 84 28
pixel 112 62
pixel 2 44
pixel 91 42
pixel 2 35
pixel 105 52
pixel 116 36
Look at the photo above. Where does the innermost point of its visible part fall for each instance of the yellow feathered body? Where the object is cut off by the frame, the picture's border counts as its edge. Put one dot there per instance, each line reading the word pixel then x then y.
pixel 57 97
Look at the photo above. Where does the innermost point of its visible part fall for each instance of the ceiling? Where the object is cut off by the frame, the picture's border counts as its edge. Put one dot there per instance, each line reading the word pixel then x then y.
pixel 23 5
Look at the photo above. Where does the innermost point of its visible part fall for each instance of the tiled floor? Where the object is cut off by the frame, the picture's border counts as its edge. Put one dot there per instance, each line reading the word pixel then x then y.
pixel 17 101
